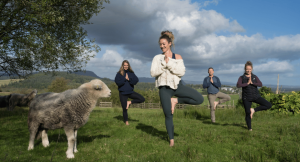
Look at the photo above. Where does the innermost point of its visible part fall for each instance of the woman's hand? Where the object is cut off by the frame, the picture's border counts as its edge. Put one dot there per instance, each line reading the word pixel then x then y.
pixel 126 77
pixel 250 80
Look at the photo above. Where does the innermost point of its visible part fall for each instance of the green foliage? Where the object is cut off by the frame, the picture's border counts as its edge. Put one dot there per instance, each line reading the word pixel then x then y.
pixel 284 103
pixel 45 35
pixel 58 85
pixel 265 90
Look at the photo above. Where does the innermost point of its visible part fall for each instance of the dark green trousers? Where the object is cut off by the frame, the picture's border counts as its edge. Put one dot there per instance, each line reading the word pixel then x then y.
pixel 186 95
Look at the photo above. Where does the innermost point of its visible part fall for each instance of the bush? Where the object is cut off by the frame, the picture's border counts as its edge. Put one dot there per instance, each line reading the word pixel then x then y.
pixel 59 84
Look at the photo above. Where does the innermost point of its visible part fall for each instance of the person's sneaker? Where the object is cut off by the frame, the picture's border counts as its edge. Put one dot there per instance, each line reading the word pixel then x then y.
pixel 250 129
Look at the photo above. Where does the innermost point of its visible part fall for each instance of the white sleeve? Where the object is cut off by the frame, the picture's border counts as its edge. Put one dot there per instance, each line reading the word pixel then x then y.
pixel 176 67
pixel 157 67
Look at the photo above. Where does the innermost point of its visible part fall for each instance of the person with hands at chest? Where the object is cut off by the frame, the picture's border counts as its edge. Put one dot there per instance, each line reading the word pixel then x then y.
pixel 126 79
pixel 213 83
pixel 249 83
pixel 168 68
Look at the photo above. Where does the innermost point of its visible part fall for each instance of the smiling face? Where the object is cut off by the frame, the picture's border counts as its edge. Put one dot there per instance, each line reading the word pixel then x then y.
pixel 248 69
pixel 125 66
pixel 164 45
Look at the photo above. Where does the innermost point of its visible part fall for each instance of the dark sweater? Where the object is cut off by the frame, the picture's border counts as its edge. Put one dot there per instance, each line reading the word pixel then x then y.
pixel 125 86
pixel 212 88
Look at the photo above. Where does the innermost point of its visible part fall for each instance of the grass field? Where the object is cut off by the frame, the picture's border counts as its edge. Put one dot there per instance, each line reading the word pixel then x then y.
pixel 2 82
pixel 106 138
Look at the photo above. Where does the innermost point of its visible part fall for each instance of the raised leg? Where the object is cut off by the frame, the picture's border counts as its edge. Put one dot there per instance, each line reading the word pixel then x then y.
pixel 45 140
pixel 71 142
pixel 75 147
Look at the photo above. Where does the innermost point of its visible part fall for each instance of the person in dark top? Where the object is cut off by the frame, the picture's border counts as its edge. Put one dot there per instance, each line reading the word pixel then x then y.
pixel 213 83
pixel 249 83
pixel 126 79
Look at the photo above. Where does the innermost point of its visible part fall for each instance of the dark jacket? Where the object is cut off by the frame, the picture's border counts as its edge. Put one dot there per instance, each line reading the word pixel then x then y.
pixel 125 86
pixel 212 88
pixel 249 92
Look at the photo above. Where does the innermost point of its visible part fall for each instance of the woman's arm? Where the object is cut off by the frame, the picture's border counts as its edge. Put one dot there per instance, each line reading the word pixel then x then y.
pixel 133 79
pixel 157 68
pixel 120 80
pixel 258 84
pixel 240 84
pixel 176 66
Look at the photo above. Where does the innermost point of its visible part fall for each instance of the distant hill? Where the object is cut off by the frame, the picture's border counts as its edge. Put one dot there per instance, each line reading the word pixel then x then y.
pixel 87 73
pixel 42 81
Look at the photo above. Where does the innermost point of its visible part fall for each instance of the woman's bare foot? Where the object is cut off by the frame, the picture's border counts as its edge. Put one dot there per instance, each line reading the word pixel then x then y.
pixel 171 142
pixel 252 112
pixel 250 129
pixel 126 123
pixel 216 103
pixel 128 103
pixel 174 101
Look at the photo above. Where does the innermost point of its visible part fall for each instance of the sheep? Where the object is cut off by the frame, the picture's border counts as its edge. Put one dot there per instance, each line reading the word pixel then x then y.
pixel 4 101
pixel 21 99
pixel 69 110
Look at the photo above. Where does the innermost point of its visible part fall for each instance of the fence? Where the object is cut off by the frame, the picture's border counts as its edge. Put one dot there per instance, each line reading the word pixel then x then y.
pixel 158 105
pixel 105 104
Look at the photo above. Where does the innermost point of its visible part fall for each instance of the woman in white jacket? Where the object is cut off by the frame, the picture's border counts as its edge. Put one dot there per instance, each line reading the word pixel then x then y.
pixel 168 68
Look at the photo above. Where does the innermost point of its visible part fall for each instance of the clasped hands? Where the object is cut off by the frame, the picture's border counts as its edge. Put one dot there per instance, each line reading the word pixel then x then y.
pixel 211 80
pixel 126 77
pixel 250 80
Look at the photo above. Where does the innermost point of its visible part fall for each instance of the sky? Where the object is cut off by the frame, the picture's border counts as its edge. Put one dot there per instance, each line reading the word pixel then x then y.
pixel 223 34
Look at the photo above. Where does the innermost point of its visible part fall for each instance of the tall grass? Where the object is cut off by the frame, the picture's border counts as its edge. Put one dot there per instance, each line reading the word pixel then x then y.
pixel 106 138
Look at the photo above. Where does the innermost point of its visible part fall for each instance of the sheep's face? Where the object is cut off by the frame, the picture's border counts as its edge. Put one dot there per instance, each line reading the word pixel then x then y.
pixel 99 88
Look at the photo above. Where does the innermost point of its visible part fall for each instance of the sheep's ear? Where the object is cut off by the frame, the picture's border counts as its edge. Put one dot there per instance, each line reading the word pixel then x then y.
pixel 97 87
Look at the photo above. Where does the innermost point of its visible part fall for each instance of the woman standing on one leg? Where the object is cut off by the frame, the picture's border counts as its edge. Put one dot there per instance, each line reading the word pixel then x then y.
pixel 249 83
pixel 126 79
pixel 168 68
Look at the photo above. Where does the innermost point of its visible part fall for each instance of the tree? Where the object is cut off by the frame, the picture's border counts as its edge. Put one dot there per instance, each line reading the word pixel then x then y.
pixel 265 89
pixel 60 84
pixel 45 35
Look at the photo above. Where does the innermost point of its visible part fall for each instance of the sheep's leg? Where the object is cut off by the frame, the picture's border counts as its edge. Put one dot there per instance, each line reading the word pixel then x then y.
pixel 75 147
pixel 11 107
pixel 71 142
pixel 33 130
pixel 45 140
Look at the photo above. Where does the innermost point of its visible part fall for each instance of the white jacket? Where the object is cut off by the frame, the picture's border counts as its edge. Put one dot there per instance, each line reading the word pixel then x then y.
pixel 167 74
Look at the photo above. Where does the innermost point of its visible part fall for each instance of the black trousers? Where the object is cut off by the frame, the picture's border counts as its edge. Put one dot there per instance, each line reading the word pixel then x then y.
pixel 264 105
pixel 137 98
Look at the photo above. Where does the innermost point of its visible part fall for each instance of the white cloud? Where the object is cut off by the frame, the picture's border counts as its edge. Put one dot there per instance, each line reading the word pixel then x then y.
pixel 136 25
pixel 206 3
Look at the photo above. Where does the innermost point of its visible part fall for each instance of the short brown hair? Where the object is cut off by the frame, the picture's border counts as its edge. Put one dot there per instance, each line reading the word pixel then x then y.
pixel 210 68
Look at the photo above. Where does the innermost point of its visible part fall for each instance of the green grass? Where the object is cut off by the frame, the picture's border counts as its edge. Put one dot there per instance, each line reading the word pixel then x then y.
pixel 106 138
pixel 7 81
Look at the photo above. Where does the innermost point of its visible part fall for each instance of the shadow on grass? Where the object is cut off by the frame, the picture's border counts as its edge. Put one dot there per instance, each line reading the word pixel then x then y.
pixel 234 124
pixel 80 138
pixel 119 117
pixel 204 119
pixel 153 131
